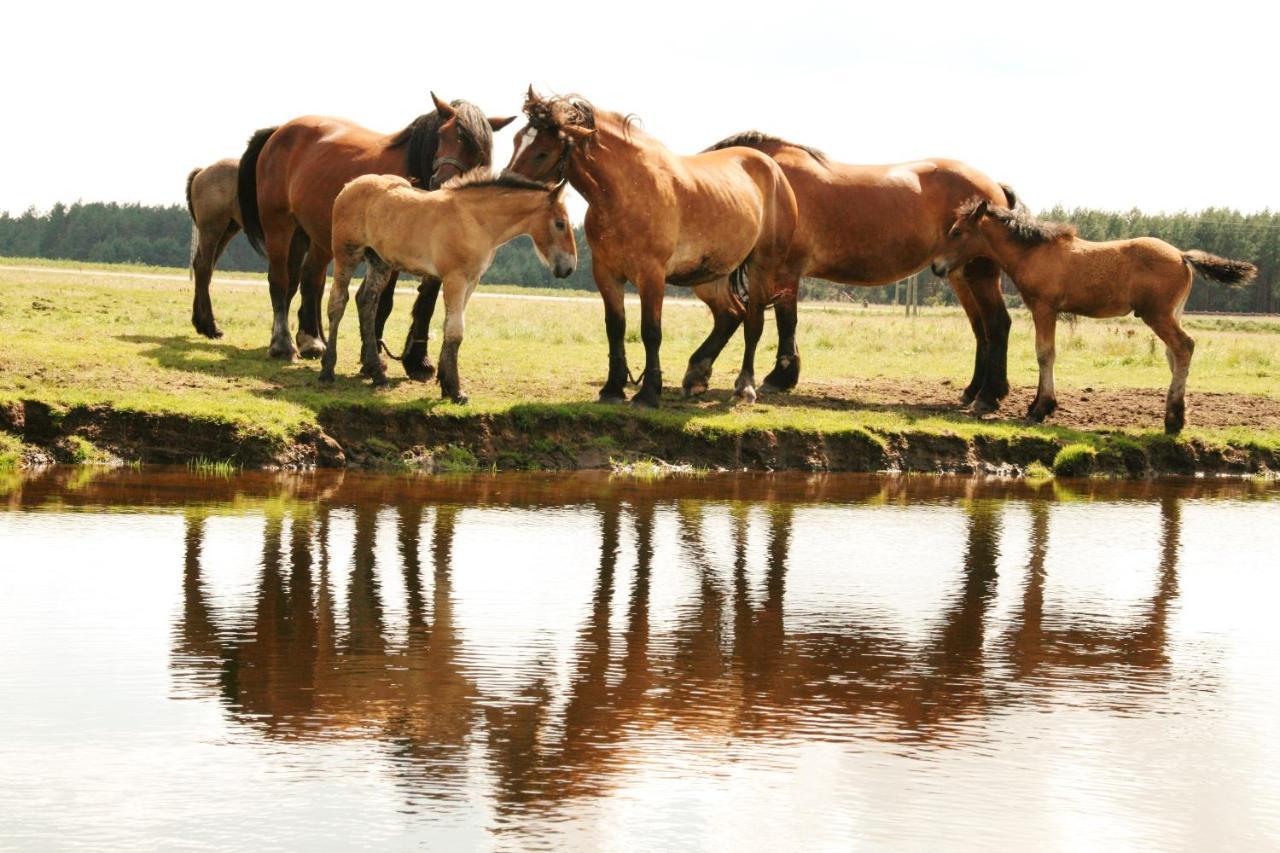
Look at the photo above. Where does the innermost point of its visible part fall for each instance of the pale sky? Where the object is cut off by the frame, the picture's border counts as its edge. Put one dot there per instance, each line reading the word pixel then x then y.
pixel 1160 106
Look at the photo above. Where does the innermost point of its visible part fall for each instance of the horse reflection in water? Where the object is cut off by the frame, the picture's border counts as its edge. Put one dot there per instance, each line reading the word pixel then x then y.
pixel 728 668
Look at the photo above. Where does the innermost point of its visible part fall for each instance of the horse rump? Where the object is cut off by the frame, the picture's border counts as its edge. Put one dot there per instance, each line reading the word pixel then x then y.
pixel 1225 270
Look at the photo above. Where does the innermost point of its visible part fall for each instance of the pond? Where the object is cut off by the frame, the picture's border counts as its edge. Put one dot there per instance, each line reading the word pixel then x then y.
pixel 339 661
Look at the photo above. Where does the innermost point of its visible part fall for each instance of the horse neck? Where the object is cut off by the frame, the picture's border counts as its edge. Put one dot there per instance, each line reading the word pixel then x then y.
pixel 1009 253
pixel 606 165
pixel 507 214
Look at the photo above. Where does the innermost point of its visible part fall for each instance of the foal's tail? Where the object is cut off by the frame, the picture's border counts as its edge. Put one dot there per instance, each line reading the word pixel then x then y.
pixel 195 231
pixel 1224 270
pixel 247 189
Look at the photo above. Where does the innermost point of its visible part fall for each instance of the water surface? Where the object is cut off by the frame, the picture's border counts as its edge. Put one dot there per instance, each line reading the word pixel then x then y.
pixel 332 662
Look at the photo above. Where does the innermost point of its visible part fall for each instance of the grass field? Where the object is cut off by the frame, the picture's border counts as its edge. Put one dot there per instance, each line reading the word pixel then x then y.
pixel 104 335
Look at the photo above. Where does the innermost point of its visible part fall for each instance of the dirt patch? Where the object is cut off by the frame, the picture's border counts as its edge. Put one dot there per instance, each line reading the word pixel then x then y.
pixel 1085 409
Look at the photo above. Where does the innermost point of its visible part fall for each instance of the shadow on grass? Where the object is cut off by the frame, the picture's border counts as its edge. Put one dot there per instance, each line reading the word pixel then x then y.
pixel 298 383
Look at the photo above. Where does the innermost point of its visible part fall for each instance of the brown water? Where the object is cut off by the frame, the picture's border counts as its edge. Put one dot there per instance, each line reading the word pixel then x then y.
pixel 573 662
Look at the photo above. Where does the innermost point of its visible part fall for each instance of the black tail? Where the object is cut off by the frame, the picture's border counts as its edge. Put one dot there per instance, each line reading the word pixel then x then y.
pixel 247 189
pixel 190 180
pixel 1224 270
pixel 1011 199
pixel 738 281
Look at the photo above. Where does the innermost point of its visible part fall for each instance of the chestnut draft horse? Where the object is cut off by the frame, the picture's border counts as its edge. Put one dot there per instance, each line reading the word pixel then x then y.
pixel 866 226
pixel 215 219
pixel 1057 272
pixel 655 218
pixel 291 174
pixel 450 235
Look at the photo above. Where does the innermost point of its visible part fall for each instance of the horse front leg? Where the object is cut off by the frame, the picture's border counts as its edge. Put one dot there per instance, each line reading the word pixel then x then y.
pixel 786 369
pixel 970 305
pixel 983 275
pixel 652 287
pixel 1046 323
pixel 727 314
pixel 311 279
pixel 615 328
pixel 457 292
pixel 417 356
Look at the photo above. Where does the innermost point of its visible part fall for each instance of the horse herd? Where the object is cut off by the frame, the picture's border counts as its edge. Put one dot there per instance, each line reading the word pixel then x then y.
pixel 740 223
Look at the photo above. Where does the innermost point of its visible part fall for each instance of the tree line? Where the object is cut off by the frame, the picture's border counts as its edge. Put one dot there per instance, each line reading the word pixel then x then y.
pixel 161 236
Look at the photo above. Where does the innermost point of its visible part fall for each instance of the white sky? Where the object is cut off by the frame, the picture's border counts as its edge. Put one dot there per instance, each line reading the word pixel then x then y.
pixel 1112 105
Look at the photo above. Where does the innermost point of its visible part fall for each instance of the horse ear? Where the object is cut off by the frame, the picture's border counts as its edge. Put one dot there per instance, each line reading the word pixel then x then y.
pixel 531 96
pixel 444 108
pixel 557 192
pixel 575 133
pixel 499 123
pixel 979 210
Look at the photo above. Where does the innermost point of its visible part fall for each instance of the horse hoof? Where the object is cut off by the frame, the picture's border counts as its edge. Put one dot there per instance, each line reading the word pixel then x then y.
pixel 696 389
pixel 967 398
pixel 424 373
pixel 326 377
pixel 460 399
pixel 747 394
pixel 768 387
pixel 645 399
pixel 379 380
pixel 283 354
pixel 311 352
pixel 608 396
pixel 982 406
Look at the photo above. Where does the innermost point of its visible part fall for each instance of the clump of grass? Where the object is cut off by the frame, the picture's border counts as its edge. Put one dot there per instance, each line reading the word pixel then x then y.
pixel 213 467
pixel 1075 460
pixel 82 451
pixel 651 469
pixel 10 452
pixel 1037 471
pixel 452 459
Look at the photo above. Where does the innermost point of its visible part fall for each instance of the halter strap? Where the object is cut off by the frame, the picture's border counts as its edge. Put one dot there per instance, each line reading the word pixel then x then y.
pixel 447 161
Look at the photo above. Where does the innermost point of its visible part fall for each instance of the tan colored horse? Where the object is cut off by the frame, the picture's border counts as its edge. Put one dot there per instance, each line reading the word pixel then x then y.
pixel 1057 272
pixel 450 234
pixel 215 219
pixel 866 226
pixel 655 218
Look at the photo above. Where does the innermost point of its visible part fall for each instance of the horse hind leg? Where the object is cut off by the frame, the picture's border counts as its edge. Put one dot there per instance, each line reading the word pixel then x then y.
pixel 342 268
pixel 367 299
pixel 210 242
pixel 727 313
pixel 1179 348
pixel 310 338
pixel 752 327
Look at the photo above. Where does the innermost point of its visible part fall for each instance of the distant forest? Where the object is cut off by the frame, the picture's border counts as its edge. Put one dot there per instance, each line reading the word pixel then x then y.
pixel 132 233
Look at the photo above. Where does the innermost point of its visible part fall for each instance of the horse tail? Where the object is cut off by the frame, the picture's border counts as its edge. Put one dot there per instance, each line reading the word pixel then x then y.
pixel 1011 199
pixel 247 189
pixel 191 179
pixel 738 281
pixel 1225 270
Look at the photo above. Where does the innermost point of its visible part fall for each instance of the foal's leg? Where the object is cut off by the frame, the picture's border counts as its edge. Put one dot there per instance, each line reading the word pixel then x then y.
pixel 1046 322
pixel 342 269
pixel 1179 347
pixel 457 291
pixel 310 330
pixel 786 370
pixel 727 313
pixel 367 297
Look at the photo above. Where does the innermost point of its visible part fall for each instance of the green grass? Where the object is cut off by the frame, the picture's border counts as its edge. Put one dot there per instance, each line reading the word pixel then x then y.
pixel 127 342
pixel 10 452
pixel 213 467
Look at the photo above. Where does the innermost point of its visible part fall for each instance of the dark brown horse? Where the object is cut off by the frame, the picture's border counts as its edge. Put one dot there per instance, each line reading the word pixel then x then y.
pixel 866 226
pixel 655 217
pixel 291 174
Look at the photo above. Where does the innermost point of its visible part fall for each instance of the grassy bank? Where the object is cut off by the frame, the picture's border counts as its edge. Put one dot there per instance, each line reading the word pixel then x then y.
pixel 103 355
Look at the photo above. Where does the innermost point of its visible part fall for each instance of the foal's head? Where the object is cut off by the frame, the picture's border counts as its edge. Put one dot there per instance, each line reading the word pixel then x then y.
pixel 464 139
pixel 556 124
pixel 553 235
pixel 964 239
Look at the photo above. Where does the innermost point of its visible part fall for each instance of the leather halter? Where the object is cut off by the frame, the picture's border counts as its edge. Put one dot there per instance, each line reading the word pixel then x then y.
pixel 447 161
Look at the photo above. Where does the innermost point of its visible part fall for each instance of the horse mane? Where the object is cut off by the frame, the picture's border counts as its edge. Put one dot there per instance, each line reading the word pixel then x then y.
pixel 479 179
pixel 758 140
pixel 422 136
pixel 556 111
pixel 1021 225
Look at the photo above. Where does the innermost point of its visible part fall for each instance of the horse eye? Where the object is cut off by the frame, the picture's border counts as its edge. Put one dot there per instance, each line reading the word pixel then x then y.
pixel 559 224
pixel 541 155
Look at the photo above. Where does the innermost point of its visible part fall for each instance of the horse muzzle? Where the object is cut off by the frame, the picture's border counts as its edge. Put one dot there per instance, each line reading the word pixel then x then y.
pixel 564 267
pixel 939 268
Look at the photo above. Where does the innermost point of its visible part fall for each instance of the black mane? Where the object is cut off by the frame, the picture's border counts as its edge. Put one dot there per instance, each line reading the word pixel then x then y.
pixel 550 113
pixel 1021 225
pixel 757 140
pixel 422 135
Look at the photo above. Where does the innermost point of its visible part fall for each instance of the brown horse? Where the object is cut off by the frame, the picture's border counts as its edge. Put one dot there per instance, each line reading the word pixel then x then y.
pixel 655 218
pixel 450 235
pixel 866 226
pixel 1057 272
pixel 291 174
